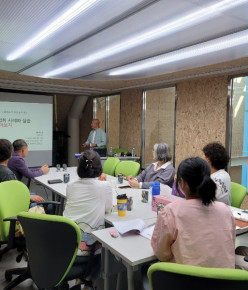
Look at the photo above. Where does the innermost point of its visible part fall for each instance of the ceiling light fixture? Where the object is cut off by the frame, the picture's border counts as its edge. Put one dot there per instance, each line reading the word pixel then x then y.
pixel 71 13
pixel 215 45
pixel 180 23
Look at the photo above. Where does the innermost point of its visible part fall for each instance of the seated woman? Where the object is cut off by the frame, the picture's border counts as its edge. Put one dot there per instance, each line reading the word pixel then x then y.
pixel 88 198
pixel 198 231
pixel 161 171
pixel 216 156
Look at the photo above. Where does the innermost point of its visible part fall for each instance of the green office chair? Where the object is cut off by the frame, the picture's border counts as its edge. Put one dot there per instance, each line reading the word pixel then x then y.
pixel 52 243
pixel 238 193
pixel 127 168
pixel 109 165
pixel 14 198
pixel 119 150
pixel 174 276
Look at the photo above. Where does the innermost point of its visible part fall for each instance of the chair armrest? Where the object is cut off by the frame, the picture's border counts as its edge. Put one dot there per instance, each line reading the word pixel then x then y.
pixel 12 230
pixel 10 219
pixel 47 203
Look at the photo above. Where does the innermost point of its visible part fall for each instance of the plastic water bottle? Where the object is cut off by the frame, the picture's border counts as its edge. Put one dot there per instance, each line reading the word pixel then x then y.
pixel 111 151
pixel 155 191
pixel 133 152
pixel 156 188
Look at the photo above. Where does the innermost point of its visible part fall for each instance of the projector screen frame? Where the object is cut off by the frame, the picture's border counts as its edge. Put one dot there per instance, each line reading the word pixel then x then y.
pixel 34 158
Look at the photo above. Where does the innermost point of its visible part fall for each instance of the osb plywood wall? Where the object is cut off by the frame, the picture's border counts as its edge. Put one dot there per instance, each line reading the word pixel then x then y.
pixel 62 106
pixel 114 122
pixel 236 173
pixel 131 120
pixel 239 91
pixel 85 121
pixel 201 115
pixel 101 111
pixel 159 119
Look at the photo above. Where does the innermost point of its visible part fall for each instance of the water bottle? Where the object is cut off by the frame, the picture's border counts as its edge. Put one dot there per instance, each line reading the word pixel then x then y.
pixel 133 152
pixel 156 188
pixel 155 191
pixel 111 151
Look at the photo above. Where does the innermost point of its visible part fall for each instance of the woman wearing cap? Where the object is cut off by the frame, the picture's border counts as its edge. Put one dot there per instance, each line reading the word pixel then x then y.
pixel 161 170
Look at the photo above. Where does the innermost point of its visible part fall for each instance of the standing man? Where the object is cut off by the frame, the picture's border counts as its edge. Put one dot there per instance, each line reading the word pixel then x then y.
pixel 17 163
pixel 97 137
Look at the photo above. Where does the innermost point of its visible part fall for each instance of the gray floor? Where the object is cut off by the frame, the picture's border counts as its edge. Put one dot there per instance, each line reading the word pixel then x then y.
pixel 8 262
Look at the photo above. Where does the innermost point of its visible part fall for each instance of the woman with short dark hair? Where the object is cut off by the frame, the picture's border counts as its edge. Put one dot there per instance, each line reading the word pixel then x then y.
pixel 217 157
pixel 6 149
pixel 88 198
pixel 198 230
pixel 161 170
pixel 89 165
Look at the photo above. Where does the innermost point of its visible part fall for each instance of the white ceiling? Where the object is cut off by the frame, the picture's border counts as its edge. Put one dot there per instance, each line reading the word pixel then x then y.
pixel 108 23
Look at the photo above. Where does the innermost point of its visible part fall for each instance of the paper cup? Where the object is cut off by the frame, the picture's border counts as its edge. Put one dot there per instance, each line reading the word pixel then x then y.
pixel 122 207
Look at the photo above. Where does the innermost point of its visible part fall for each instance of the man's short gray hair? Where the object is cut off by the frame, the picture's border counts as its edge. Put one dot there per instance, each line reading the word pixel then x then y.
pixel 162 152
pixel 19 144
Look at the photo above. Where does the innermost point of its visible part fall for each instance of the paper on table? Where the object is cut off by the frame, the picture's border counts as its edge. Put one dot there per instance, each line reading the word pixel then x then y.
pixel 241 215
pixel 147 232
pixel 131 225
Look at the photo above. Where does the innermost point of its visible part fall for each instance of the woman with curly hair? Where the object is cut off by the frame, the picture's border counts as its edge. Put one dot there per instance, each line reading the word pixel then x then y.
pixel 217 157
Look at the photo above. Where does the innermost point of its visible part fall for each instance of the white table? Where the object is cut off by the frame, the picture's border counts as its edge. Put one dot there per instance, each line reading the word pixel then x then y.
pixel 142 210
pixel 239 231
pixel 132 249
pixel 59 189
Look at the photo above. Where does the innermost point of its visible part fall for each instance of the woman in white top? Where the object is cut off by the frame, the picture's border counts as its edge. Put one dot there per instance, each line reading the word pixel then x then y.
pixel 88 198
pixel 216 156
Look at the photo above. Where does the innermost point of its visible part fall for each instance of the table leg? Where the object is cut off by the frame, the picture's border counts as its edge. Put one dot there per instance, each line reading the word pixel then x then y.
pixel 57 212
pixel 61 206
pixel 130 279
pixel 106 269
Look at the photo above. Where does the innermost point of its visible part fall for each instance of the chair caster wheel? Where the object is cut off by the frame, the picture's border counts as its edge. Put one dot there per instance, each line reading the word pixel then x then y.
pixel 18 258
pixel 8 277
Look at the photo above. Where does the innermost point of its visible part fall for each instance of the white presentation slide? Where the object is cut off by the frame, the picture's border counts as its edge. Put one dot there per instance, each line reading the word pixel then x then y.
pixel 29 121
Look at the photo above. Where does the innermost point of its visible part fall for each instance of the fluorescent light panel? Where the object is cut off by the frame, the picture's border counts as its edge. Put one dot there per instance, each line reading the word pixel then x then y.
pixel 80 7
pixel 180 23
pixel 218 44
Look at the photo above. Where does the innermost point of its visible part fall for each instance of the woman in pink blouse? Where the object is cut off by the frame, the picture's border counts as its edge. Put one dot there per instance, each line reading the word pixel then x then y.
pixel 197 230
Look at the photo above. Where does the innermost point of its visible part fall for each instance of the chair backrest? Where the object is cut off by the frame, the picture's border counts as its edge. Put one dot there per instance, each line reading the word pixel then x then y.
pixel 119 150
pixel 238 193
pixel 127 168
pixel 109 165
pixel 14 198
pixel 177 277
pixel 52 243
